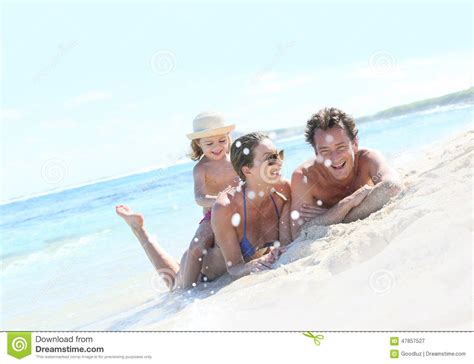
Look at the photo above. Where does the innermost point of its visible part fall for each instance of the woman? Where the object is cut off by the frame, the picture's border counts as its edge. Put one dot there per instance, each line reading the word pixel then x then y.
pixel 247 222
pixel 250 222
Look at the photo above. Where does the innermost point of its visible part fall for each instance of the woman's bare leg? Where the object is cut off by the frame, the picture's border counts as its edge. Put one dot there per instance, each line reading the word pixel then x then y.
pixel 193 262
pixel 214 265
pixel 162 261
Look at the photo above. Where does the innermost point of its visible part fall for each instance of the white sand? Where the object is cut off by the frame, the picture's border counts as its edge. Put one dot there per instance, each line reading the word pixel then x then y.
pixel 406 267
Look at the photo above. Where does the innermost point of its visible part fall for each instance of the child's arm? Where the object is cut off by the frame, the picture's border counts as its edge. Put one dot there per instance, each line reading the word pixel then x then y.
pixel 200 192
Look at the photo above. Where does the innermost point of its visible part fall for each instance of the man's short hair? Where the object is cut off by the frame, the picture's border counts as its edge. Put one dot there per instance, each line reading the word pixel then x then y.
pixel 327 118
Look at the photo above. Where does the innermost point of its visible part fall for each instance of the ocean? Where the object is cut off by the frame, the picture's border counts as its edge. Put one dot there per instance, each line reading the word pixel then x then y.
pixel 69 262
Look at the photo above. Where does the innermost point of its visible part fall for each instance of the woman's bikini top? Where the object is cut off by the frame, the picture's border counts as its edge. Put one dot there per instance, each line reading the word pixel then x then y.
pixel 246 247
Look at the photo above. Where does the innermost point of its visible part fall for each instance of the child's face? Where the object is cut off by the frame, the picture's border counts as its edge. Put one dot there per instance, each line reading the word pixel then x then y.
pixel 215 147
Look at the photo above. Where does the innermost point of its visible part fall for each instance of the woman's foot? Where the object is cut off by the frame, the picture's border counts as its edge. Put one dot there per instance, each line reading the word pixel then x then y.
pixel 133 219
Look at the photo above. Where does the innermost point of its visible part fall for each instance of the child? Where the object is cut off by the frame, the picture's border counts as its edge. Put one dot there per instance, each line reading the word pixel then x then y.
pixel 210 144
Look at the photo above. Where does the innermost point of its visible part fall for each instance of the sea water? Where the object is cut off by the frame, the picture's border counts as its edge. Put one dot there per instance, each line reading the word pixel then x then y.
pixel 68 261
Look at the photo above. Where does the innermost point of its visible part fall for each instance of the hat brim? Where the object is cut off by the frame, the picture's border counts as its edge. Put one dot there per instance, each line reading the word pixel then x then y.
pixel 211 132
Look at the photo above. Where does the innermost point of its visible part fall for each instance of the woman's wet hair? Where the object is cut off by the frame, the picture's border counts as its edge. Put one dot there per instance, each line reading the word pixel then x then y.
pixel 242 151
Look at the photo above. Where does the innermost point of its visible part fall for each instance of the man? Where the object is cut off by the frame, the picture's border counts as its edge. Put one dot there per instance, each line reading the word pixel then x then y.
pixel 341 183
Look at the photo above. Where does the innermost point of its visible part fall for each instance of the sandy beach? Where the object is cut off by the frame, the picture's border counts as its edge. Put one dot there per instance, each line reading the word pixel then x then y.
pixel 406 267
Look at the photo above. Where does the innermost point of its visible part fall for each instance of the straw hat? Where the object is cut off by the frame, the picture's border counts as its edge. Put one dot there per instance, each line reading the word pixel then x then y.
pixel 208 124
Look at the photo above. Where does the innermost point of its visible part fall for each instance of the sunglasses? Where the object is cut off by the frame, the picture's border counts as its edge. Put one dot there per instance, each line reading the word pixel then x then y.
pixel 272 158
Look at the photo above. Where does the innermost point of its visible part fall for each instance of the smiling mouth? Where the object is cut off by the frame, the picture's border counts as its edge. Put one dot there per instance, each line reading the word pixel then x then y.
pixel 217 153
pixel 276 172
pixel 338 167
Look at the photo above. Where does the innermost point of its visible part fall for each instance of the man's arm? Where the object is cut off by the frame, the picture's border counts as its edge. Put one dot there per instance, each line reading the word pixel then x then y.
pixel 301 195
pixel 387 185
pixel 341 210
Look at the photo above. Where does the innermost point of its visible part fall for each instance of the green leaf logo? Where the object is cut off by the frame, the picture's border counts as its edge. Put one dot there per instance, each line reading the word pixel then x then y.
pixel 19 344
pixel 316 338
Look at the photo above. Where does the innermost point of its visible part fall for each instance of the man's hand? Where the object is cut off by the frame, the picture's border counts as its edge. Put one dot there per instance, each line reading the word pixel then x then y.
pixel 373 200
pixel 338 212
pixel 358 196
pixel 309 212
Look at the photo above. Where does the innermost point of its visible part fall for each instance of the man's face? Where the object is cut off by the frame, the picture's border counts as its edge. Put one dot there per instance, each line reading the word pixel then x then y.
pixel 336 151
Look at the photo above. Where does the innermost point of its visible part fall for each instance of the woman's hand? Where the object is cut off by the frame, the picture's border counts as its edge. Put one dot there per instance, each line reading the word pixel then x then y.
pixel 265 262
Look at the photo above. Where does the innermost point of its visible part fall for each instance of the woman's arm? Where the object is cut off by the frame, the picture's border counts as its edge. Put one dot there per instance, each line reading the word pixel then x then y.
pixel 285 228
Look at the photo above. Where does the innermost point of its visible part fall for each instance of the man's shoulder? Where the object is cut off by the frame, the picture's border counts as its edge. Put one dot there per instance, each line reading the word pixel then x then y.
pixel 304 168
pixel 369 156
pixel 306 172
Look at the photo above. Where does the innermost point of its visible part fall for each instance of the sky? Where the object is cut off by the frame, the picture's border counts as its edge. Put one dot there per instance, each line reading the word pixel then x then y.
pixel 98 89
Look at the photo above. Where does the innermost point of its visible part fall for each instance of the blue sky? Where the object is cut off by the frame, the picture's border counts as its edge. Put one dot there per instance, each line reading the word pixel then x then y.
pixel 92 90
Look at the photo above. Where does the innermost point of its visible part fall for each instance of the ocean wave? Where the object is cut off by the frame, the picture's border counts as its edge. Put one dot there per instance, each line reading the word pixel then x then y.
pixel 182 160
pixel 60 249
pixel 434 110
pixel 446 108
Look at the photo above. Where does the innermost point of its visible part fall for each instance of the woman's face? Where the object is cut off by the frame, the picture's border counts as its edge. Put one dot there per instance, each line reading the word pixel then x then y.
pixel 267 164
pixel 215 147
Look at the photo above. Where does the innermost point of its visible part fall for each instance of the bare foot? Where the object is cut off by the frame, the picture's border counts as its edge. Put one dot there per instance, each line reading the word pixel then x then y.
pixel 133 219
